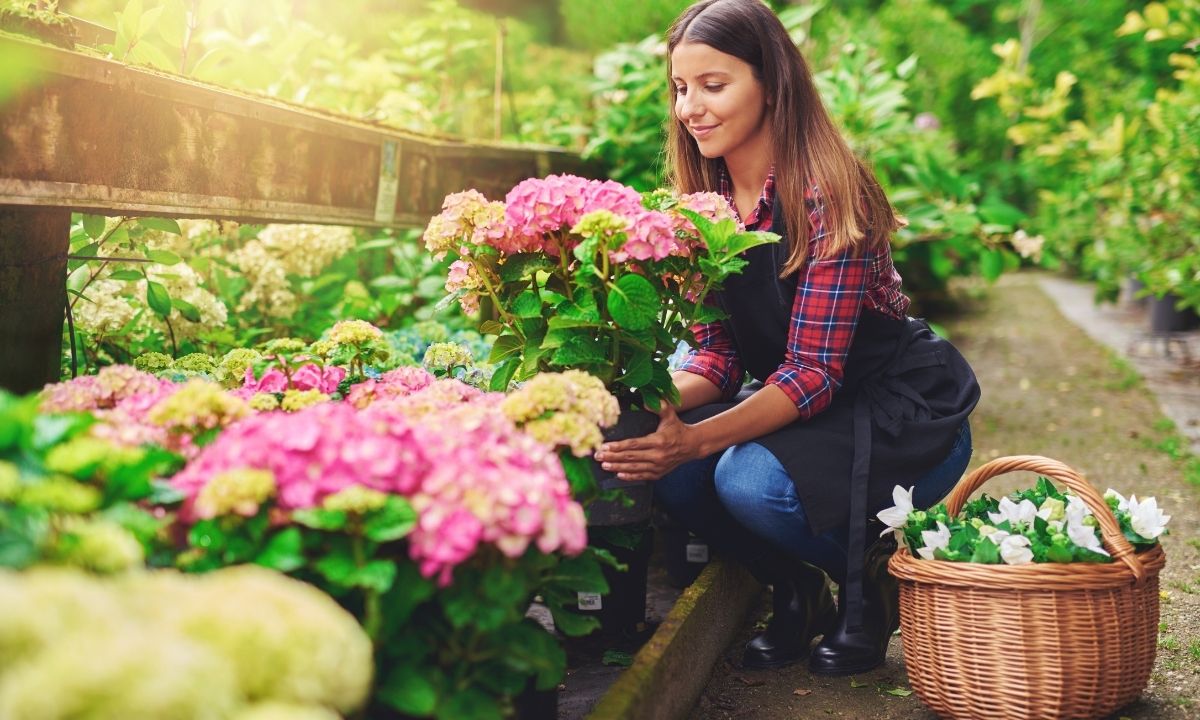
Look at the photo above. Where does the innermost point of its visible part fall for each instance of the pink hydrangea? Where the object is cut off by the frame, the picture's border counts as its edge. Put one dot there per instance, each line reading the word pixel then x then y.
pixel 120 398
pixel 545 205
pixel 309 376
pixel 102 391
pixel 392 384
pixel 651 236
pixel 470 474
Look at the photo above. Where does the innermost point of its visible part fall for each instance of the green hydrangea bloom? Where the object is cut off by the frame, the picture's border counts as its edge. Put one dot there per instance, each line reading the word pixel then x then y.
pixel 239 491
pixel 196 363
pixel 59 493
pixel 97 545
pixel 232 368
pixel 153 362
pixel 356 499
pixel 264 402
pixel 295 400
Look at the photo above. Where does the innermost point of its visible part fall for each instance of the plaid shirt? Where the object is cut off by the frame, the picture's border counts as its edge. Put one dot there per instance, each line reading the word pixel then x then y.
pixel 830 294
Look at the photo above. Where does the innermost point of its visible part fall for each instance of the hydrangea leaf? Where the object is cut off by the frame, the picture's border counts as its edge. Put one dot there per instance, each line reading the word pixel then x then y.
pixel 633 302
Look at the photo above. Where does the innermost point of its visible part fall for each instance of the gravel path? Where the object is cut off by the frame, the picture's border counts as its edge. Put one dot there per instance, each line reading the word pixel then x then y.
pixel 1048 389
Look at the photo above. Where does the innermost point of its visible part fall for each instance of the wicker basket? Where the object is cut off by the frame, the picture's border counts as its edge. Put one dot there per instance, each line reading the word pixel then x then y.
pixel 1042 640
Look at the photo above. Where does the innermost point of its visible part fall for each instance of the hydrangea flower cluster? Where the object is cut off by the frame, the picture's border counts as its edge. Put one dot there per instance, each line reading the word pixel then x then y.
pixel 563 409
pixel 392 384
pixel 472 477
pixel 175 646
pixel 102 391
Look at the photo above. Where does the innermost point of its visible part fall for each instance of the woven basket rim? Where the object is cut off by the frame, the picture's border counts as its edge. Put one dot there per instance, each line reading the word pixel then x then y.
pixel 1030 576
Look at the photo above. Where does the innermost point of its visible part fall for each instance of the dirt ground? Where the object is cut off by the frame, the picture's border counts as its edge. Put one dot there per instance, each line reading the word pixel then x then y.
pixel 1048 389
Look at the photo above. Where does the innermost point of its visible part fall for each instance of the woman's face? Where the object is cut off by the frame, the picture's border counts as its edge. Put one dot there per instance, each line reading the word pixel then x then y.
pixel 719 100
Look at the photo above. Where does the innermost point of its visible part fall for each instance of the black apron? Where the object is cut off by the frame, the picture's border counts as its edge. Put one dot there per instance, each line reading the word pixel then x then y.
pixel 905 394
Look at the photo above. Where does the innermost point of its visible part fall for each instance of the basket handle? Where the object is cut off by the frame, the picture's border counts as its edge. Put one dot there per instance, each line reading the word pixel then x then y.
pixel 1110 530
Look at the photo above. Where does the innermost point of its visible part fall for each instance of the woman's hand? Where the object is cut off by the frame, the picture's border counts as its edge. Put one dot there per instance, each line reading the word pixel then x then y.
pixel 654 455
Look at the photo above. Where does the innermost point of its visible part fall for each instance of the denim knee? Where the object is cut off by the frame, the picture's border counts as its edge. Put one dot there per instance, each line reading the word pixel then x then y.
pixel 749 478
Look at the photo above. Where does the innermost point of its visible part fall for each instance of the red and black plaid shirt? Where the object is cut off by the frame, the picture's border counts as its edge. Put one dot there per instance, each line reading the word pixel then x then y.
pixel 830 294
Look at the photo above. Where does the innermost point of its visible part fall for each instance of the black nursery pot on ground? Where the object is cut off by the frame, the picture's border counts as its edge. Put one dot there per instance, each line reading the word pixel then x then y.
pixel 1166 318
pixel 623 530
pixel 603 513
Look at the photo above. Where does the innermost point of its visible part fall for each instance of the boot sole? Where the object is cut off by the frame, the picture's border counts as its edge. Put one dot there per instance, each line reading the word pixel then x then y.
pixel 843 671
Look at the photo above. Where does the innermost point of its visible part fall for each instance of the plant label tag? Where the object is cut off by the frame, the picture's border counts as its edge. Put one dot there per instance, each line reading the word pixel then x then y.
pixel 697 552
pixel 589 601
pixel 389 182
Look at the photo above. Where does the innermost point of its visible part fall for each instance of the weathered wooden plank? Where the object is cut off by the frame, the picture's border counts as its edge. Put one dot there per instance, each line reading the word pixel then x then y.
pixel 33 295
pixel 100 136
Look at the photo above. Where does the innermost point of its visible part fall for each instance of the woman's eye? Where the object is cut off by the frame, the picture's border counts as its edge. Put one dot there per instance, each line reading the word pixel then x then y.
pixel 681 89
pixel 714 88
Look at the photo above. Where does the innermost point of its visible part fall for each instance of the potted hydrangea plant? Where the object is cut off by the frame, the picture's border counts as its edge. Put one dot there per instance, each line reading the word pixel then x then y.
pixel 590 275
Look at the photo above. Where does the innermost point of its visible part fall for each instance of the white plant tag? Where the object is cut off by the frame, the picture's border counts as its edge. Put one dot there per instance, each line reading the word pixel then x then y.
pixel 589 601
pixel 697 553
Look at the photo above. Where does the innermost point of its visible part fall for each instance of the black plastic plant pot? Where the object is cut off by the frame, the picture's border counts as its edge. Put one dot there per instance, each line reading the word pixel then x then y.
pixel 623 609
pixel 684 555
pixel 1166 318
pixel 604 513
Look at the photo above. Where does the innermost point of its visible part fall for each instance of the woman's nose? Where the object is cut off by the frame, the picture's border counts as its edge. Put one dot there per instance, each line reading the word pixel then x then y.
pixel 689 108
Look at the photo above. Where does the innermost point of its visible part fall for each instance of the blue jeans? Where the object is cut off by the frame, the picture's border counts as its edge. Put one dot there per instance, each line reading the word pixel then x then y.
pixel 744 504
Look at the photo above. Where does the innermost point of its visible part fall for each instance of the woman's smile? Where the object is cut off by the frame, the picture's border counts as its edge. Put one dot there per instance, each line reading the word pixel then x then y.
pixel 701 131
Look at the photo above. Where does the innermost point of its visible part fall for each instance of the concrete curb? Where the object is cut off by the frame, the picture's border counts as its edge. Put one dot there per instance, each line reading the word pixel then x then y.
pixel 673 667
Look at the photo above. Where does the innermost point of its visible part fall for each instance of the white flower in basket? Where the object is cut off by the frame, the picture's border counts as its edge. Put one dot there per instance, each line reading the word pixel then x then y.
pixel 934 539
pixel 1145 517
pixel 1014 550
pixel 895 517
pixel 1017 514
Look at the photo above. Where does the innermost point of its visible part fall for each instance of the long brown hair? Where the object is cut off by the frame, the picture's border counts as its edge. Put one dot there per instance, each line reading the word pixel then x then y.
pixel 808 150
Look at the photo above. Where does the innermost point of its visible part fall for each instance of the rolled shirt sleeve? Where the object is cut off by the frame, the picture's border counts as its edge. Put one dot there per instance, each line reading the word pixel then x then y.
pixel 715 359
pixel 828 302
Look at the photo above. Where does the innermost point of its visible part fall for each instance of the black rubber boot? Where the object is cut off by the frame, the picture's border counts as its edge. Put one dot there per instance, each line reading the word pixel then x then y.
pixel 803 608
pixel 841 652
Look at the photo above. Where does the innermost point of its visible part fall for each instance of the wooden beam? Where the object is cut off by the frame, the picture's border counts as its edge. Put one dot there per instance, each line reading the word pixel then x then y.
pixel 33 295
pixel 100 136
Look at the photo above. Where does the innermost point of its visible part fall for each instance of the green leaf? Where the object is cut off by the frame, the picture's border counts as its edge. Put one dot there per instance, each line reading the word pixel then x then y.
pixel 992 265
pixel 284 552
pixel 504 375
pixel 491 327
pixel 579 474
pixel 148 54
pixel 128 275
pixel 172 24
pixel 505 347
pixel 522 265
pixel 470 703
pixel 166 225
pixel 580 350
pixel 994 210
pixel 321 519
pixel 339 568
pixel 393 521
pixel 158 298
pixel 986 552
pixel 633 302
pixel 527 305
pixel 584 308
pixel 163 257
pixel 189 311
pixel 638 370
pixel 93 225
pixel 616 657
pixel 407 690
pixel 900 692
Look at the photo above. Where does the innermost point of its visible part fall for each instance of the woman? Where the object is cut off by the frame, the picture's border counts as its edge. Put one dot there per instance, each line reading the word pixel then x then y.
pixel 856 396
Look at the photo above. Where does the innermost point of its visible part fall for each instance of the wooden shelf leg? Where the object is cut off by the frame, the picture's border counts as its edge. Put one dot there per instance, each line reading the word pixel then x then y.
pixel 33 293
